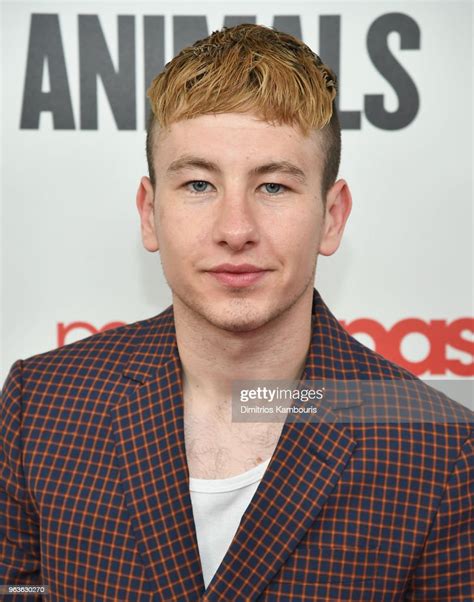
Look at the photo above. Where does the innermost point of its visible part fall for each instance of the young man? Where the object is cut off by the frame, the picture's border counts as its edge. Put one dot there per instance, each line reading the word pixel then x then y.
pixel 123 475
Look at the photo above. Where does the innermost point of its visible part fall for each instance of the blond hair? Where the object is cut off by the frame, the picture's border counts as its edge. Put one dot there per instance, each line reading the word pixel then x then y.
pixel 250 68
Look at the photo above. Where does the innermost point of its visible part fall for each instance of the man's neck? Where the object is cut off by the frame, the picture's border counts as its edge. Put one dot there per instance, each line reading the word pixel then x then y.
pixel 213 358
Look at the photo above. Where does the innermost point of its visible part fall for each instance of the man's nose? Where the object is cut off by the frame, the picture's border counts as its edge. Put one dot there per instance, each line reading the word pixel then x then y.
pixel 235 222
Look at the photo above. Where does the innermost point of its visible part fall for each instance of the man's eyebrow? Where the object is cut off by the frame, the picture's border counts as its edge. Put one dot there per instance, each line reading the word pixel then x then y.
pixel 285 167
pixel 192 161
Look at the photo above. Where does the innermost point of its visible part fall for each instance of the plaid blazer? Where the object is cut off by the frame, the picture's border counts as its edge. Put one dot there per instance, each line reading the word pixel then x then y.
pixel 94 498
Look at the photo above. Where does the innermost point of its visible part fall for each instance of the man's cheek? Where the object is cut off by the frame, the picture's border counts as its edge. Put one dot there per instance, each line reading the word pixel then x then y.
pixel 179 259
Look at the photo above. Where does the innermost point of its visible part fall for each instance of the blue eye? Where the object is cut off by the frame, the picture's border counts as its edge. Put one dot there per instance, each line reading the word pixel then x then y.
pixel 198 185
pixel 273 188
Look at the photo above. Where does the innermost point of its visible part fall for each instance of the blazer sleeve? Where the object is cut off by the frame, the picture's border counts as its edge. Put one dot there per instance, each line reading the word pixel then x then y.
pixel 445 572
pixel 19 524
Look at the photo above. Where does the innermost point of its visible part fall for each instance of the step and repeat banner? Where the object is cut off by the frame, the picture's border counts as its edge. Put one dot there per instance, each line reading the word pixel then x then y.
pixel 74 76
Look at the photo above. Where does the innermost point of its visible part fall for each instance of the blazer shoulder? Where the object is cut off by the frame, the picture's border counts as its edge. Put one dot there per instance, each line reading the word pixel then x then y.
pixel 425 398
pixel 108 351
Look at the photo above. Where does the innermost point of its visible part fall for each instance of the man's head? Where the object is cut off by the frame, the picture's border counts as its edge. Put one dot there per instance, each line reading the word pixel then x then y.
pixel 243 155
pixel 250 68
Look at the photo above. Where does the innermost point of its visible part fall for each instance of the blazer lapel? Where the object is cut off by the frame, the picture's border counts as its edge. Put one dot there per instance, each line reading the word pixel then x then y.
pixel 303 471
pixel 148 428
pixel 305 467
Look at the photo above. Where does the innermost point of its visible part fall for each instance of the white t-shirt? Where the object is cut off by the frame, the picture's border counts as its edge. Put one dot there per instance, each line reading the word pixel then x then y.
pixel 218 506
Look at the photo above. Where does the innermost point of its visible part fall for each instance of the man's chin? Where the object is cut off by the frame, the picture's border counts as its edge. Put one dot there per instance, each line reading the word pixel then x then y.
pixel 232 315
pixel 236 317
pixel 236 324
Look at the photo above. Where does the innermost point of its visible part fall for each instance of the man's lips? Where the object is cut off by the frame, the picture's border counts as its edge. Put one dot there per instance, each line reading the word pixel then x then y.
pixel 238 275
pixel 237 268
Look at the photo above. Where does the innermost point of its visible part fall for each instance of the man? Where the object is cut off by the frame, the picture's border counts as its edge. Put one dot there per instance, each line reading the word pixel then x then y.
pixel 123 475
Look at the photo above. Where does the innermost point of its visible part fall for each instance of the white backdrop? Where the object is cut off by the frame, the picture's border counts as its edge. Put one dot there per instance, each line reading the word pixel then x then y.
pixel 72 260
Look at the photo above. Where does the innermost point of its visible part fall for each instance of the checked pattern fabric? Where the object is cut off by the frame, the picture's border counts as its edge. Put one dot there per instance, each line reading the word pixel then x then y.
pixel 94 498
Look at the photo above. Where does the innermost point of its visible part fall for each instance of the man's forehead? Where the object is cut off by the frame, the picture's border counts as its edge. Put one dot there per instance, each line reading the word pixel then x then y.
pixel 236 119
pixel 292 148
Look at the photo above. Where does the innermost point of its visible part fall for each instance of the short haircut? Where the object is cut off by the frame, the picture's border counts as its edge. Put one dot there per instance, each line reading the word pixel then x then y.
pixel 250 68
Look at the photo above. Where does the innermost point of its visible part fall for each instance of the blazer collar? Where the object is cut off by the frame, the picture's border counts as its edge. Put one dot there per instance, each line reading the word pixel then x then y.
pixel 308 460
pixel 155 344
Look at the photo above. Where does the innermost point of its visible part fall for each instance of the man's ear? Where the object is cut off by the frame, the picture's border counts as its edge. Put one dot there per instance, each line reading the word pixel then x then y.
pixel 145 205
pixel 338 209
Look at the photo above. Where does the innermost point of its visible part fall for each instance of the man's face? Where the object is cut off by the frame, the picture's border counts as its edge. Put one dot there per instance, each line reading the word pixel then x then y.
pixel 233 191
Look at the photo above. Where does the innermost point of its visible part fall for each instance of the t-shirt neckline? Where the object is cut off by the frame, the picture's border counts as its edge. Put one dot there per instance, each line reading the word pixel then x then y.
pixel 230 483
